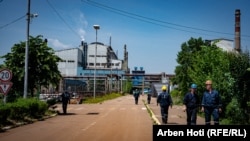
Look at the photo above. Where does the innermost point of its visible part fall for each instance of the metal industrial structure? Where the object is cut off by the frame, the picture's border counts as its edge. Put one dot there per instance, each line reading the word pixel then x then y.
pixel 82 66
pixel 78 68
pixel 148 82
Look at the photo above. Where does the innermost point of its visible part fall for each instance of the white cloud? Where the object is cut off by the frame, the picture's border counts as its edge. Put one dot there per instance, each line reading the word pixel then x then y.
pixel 56 44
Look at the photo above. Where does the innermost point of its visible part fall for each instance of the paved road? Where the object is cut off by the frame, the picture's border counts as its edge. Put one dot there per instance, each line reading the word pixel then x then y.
pixel 176 114
pixel 118 119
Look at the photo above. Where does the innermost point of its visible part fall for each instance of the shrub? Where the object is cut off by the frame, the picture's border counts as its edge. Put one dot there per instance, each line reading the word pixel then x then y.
pixel 176 97
pixel 36 107
pixel 18 109
pixel 51 102
pixel 42 108
pixel 4 113
pixel 235 114
pixel 30 107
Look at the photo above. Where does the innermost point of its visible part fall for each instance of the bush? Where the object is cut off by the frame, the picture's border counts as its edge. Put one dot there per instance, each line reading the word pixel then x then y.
pixel 175 93
pixel 51 102
pixel 18 109
pixel 4 113
pixel 21 109
pixel 36 107
pixel 29 107
pixel 235 114
pixel 176 97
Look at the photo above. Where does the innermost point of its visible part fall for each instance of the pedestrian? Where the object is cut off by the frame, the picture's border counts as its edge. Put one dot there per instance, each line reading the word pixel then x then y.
pixel 149 96
pixel 211 104
pixel 65 100
pixel 136 96
pixel 165 100
pixel 191 101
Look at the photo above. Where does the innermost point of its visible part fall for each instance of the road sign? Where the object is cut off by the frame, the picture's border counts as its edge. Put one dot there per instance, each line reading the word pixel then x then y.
pixel 5 75
pixel 5 87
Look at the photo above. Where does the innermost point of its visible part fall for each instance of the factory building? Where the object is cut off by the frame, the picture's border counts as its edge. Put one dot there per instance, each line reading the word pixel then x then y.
pixel 79 69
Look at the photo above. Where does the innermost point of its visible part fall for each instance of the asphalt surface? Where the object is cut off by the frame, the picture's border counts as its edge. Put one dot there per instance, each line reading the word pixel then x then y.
pixel 118 119
pixel 176 115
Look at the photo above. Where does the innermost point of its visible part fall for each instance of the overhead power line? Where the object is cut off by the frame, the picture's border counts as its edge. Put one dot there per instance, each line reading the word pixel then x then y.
pixel 152 20
pixel 18 19
pixel 58 14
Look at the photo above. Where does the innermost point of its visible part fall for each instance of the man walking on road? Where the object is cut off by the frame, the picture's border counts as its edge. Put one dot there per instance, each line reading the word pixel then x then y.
pixel 191 101
pixel 136 96
pixel 211 104
pixel 149 96
pixel 165 100
pixel 65 100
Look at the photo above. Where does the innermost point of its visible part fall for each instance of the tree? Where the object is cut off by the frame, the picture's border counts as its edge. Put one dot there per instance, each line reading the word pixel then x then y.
pixel 212 63
pixel 185 61
pixel 42 65
pixel 229 71
pixel 238 108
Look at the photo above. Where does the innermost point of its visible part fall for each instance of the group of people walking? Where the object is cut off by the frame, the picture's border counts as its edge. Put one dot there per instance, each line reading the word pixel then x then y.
pixel 137 94
pixel 210 104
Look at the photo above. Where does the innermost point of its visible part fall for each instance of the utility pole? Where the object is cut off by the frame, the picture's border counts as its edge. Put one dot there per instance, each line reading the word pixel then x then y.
pixel 96 27
pixel 27 53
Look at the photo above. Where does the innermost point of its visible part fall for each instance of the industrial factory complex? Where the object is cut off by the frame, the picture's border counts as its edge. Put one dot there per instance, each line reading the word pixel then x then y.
pixel 111 74
pixel 95 67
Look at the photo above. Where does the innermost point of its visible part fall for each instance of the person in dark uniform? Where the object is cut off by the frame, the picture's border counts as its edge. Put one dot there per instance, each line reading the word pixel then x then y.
pixel 149 96
pixel 165 100
pixel 211 104
pixel 65 100
pixel 136 96
pixel 191 102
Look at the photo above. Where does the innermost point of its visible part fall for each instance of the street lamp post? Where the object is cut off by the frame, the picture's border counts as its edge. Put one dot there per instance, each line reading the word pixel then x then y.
pixel 96 27
pixel 111 76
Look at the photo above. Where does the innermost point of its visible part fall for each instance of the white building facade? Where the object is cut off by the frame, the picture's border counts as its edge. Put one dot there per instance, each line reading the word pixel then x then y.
pixel 71 60
pixel 81 61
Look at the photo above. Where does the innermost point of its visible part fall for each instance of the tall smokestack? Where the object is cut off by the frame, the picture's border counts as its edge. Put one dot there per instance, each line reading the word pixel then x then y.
pixel 237 30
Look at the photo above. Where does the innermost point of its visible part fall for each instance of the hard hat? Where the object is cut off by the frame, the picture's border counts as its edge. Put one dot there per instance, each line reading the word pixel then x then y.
pixel 194 86
pixel 164 87
pixel 209 82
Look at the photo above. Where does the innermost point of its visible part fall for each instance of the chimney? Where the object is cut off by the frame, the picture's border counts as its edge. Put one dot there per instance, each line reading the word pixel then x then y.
pixel 237 30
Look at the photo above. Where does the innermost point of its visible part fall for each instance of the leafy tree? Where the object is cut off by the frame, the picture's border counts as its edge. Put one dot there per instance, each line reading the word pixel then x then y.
pixel 185 61
pixel 42 65
pixel 212 63
pixel 229 71
pixel 239 64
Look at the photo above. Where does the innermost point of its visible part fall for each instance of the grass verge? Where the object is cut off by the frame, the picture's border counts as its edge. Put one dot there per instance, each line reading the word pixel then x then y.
pixel 100 99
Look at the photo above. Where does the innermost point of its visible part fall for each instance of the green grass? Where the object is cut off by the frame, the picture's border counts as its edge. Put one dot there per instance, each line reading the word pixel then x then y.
pixel 100 99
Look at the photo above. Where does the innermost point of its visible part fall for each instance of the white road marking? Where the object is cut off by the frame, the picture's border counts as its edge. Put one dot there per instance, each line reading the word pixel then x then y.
pixel 86 128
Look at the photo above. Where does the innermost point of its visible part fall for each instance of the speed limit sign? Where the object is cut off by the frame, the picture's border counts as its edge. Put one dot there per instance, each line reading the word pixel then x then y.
pixel 5 75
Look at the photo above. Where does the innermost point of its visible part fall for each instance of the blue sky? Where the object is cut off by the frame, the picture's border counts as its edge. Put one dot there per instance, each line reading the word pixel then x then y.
pixel 153 30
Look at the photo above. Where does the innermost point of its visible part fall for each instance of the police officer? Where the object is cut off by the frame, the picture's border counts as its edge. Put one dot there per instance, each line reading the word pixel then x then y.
pixel 165 100
pixel 65 100
pixel 211 104
pixel 191 102
pixel 136 96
